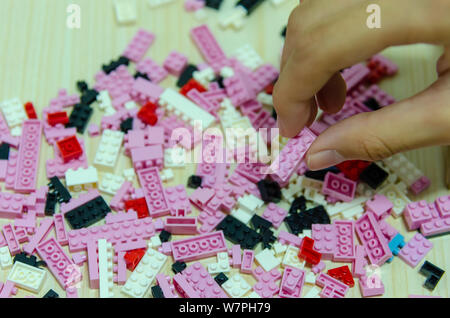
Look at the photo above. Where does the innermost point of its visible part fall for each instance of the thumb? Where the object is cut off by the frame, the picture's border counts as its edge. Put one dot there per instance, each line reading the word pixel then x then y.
pixel 422 120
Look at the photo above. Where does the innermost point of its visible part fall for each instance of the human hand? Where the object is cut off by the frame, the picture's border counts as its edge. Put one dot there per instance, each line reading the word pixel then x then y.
pixel 324 37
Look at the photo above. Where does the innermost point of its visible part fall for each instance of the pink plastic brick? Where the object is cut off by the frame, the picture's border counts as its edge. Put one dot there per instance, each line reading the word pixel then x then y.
pixel 149 67
pixel 415 250
pixel 370 235
pixel 195 96
pixel 81 200
pixel 177 199
pixel 21 234
pixel 27 221
pixel 252 171
pixel 63 100
pixel 11 239
pixel 153 192
pixel 167 288
pixel 209 220
pixel 200 246
pixel 263 76
pixel 222 200
pixel 12 141
pixel 443 205
pixel 324 236
pixel 144 91
pixel 170 124
pixel 143 138
pixel 130 245
pixel 93 130
pixel 388 230
pixel 8 289
pixel 11 205
pixel 291 156
pixel 386 64
pixel 420 185
pixel 247 261
pixel 146 157
pixel 374 91
pixel 181 225
pixel 113 122
pixel 3 168
pixel 60 229
pixel 332 288
pixel 183 287
pixel 355 75
pixel 118 83
pixel 242 185
pixel 274 214
pixel 319 267
pixel 371 286
pixel 235 253
pixel 121 269
pixel 59 264
pixel 79 258
pixel 207 45
pixel 345 249
pixel 416 213
pixel 139 45
pixel 28 161
pixel 266 287
pixel 71 292
pixel 201 196
pixel 292 282
pixel 41 232
pixel 435 226
pixel 122 195
pixel 200 280
pixel 359 262
pixel 238 89
pixel 289 239
pixel 114 233
pixel 193 5
pixel 175 63
pixel 92 259
pixel 57 167
pixel 2 240
pixel 339 187
pixel 58 132
pixel 380 206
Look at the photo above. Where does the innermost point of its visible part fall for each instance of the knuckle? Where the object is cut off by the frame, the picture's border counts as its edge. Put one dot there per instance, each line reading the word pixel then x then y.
pixel 372 146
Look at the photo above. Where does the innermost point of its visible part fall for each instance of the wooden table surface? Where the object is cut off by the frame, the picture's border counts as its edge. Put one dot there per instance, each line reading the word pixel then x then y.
pixel 40 55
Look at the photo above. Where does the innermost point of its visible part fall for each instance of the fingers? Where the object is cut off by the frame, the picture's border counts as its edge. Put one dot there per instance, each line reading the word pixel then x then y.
pixel 422 120
pixel 443 64
pixel 332 96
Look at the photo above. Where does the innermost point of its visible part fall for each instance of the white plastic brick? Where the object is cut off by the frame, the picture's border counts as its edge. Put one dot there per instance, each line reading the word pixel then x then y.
pixel 310 278
pixel 105 103
pixel 126 11
pixel 105 268
pixel 279 249
pixel 155 242
pixel 291 258
pixel 82 179
pixel 226 72
pixel 5 258
pixel 242 215
pixel 222 265
pixel 204 76
pixel 166 175
pixel 266 258
pixel 139 282
pixel 253 294
pixel 129 174
pixel 174 157
pixel 247 55
pixel 111 183
pixel 236 286
pixel 397 197
pixel 182 107
pixel 265 98
pixel 108 149
pixel 13 112
pixel 27 277
pixel 250 203
pixel 312 293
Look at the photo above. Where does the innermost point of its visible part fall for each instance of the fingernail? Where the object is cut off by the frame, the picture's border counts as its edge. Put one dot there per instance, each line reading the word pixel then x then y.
pixel 324 159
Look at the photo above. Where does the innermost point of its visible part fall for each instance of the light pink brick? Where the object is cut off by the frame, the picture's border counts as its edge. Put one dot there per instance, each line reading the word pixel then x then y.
pixel 415 250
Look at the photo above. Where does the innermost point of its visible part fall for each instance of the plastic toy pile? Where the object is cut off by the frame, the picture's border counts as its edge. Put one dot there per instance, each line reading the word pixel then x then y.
pixel 91 215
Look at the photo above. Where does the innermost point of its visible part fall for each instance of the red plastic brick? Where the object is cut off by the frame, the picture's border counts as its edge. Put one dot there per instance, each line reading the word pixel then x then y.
pixel 352 169
pixel 415 250
pixel 307 253
pixel 147 114
pixel 200 246
pixel 133 257
pixel 57 167
pixel 29 109
pixel 28 160
pixel 57 118
pixel 370 235
pixel 191 85
pixel 153 192
pixel 342 274
pixel 69 148
pixel 139 206
pixel 139 45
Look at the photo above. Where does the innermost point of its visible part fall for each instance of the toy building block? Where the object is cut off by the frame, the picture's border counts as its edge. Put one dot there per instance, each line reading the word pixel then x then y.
pixel 11 205
pixel 44 228
pixel 380 206
pixel 208 46
pixel 59 264
pixel 57 118
pixel 86 210
pixel 396 244
pixel 154 192
pixel 433 274
pixel 57 167
pixel 436 226
pixel 179 105
pixel 416 213
pixel 28 160
pixel 167 288
pixel 8 289
pixel 238 233
pixel 146 157
pixel 27 277
pixel 342 274
pixel 274 214
pixel 125 11
pixel 14 112
pixel 267 260
pixel 105 266
pixel 222 265
pixel 82 179
pixel 339 187
pixel 415 250
pixel 139 45
pixel 11 239
pixel 108 149
pixel 80 116
pixel 397 197
pixel 247 260
pixel 5 258
pixel 149 67
pixel 289 239
pixel 371 286
pixel 307 252
pixel 206 245
pixel 332 288
pixel 29 109
pixel 60 229
pixel 110 183
pixel 370 235
pixel 139 282
pixel 266 287
pixel 359 262
pixel 291 258
pixel 248 57
pixel 236 286
pixel 292 283
pixel 69 148
pixel 181 225
pixel 139 206
pixel 291 155
pixel 175 63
